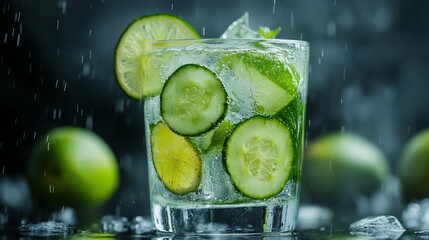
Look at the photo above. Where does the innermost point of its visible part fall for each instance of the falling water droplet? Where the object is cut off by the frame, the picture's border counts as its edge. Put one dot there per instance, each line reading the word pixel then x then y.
pixel 5 38
pixel 65 86
pixel 346 47
pixel 120 106
pixel 89 122
pixel 274 7
pixel 34 135
pixel 86 69
pixel 292 20
pixel 344 73
pixel 331 28
pixel 172 6
pixel 204 31
pixel 58 24
pixel 18 40
pixel 90 32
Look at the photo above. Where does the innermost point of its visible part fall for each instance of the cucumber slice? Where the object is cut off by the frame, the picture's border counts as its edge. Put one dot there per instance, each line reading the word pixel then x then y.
pixel 176 160
pixel 134 71
pixel 193 100
pixel 258 157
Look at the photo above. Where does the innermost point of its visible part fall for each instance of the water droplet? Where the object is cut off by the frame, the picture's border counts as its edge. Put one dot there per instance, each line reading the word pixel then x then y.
pixel 90 32
pixel 86 69
pixel 5 38
pixel 331 28
pixel 292 20
pixel 274 7
pixel 120 106
pixel 34 135
pixel 58 24
pixel 18 39
pixel 344 73
pixel 204 31
pixel 89 122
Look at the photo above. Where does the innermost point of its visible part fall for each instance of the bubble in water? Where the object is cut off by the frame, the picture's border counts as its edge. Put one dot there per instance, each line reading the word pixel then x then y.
pixel 47 229
pixel 380 227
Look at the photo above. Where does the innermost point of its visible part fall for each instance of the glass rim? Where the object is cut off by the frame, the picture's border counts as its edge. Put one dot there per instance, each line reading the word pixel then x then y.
pixel 220 40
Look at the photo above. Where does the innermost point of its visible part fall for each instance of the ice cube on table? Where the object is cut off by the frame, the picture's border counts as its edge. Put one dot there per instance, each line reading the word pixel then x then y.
pixel 313 217
pixel 47 229
pixel 379 227
pixel 114 224
pixel 416 215
pixel 141 225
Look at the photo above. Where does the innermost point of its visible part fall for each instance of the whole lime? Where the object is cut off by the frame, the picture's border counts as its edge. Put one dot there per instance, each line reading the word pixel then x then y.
pixel 72 166
pixel 340 167
pixel 414 168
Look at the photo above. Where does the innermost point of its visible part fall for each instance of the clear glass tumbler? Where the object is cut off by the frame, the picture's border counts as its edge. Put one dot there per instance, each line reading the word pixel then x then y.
pixel 224 130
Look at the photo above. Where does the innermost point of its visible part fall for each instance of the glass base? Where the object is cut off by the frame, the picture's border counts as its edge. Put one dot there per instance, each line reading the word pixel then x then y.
pixel 226 219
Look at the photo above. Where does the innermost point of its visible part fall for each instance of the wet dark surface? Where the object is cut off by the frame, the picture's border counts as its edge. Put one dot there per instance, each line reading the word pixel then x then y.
pixel 308 234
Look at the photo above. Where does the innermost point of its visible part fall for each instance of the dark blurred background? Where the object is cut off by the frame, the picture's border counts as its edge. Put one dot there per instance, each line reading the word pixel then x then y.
pixel 369 73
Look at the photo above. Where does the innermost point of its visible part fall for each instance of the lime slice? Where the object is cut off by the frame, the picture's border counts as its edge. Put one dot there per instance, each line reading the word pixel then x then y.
pixel 176 160
pixel 133 69
pixel 273 84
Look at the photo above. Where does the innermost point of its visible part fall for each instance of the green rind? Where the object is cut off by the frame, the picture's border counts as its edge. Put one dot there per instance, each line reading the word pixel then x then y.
pixel 135 89
pixel 172 93
pixel 293 117
pixel 233 152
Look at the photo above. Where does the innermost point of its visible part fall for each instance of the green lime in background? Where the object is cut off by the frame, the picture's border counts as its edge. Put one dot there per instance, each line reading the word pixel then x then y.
pixel 340 167
pixel 414 168
pixel 72 166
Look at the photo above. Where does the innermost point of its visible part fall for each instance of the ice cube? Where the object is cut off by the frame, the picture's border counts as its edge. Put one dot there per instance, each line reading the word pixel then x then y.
pixel 47 229
pixel 114 224
pixel 416 215
pixel 379 227
pixel 141 225
pixel 422 234
pixel 314 217
pixel 240 29
pixel 65 215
